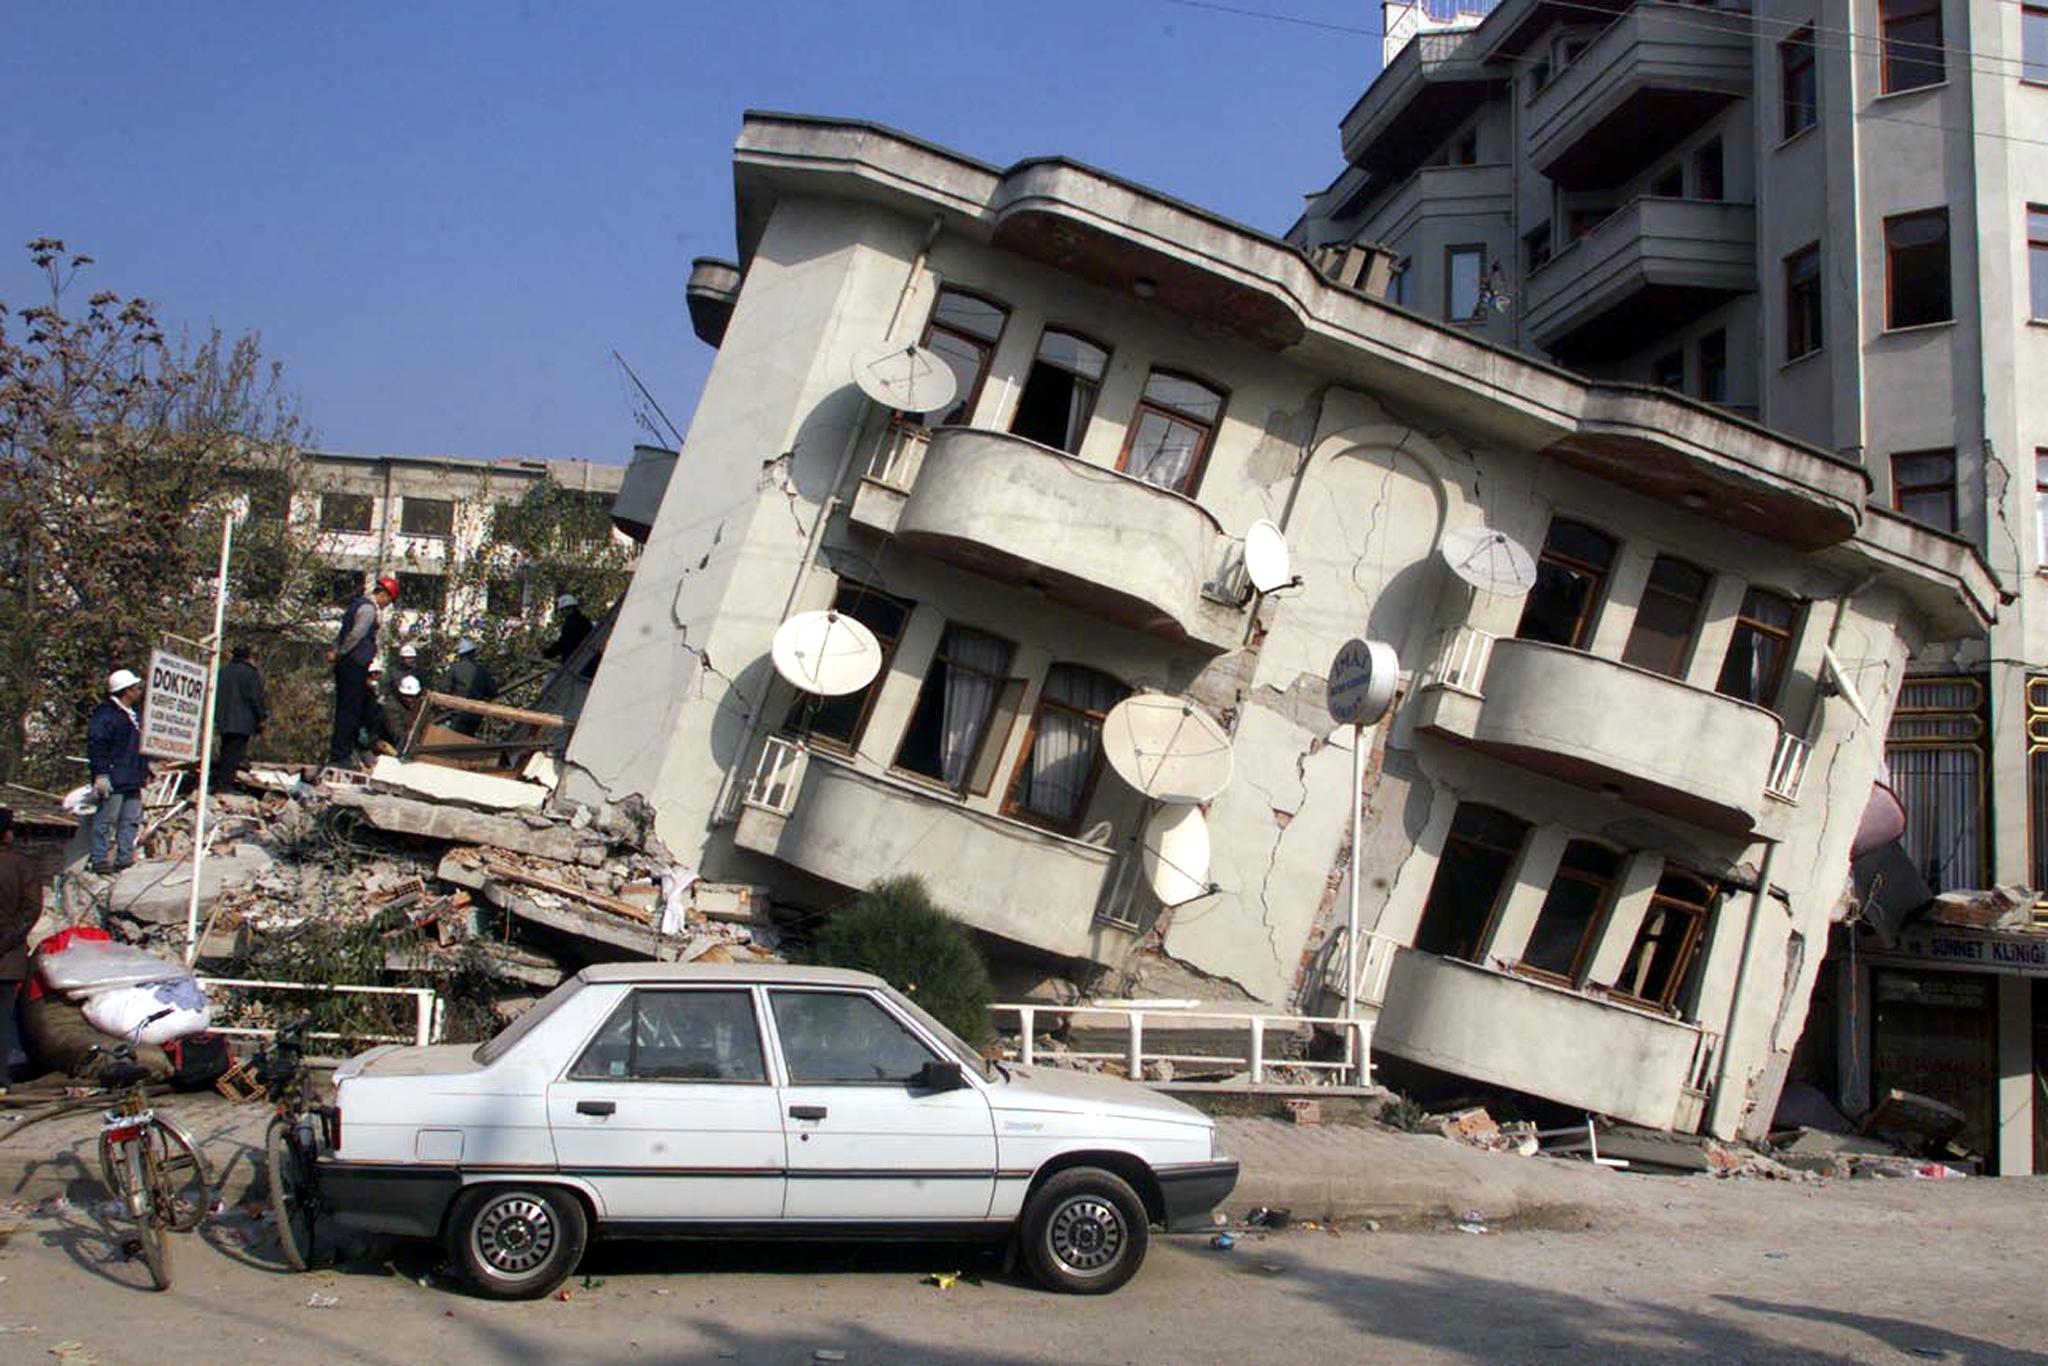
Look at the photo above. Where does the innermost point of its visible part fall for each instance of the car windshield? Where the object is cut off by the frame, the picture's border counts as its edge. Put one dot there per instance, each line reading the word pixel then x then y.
pixel 495 1048
pixel 969 1057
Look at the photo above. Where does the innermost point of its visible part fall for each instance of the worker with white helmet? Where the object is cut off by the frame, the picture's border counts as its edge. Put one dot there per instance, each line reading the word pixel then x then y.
pixel 409 664
pixel 575 628
pixel 113 749
pixel 396 714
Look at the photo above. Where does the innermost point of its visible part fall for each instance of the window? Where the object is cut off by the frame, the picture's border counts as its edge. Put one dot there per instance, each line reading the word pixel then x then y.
pixel 1924 487
pixel 1581 222
pixel 1539 74
pixel 1802 302
pixel 268 493
pixel 677 1036
pixel 1063 757
pixel 346 511
pixel 1755 665
pixel 505 598
pixel 839 721
pixel 963 330
pixel 832 1038
pixel 1713 353
pixel 2041 509
pixel 1536 247
pixel 1171 432
pixel 422 592
pixel 1707 177
pixel 1916 279
pixel 1669 183
pixel 344 585
pixel 1668 371
pixel 1401 284
pixel 949 729
pixel 1798 85
pixel 2034 43
pixel 1478 858
pixel 1464 149
pixel 1911 31
pixel 426 516
pixel 1570 574
pixel 2037 783
pixel 1059 393
pixel 1463 269
pixel 2037 259
pixel 1572 909
pixel 1666 617
pixel 1660 962
pixel 1935 755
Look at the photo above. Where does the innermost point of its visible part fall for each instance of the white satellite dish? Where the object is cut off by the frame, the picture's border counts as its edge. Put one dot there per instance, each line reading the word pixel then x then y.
pixel 1361 683
pixel 827 653
pixel 1167 747
pixel 908 378
pixel 1491 561
pixel 1267 562
pixel 1175 854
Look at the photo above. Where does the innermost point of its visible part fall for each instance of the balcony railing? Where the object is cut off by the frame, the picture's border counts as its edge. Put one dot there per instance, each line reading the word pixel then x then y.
pixel 1353 1068
pixel 1788 768
pixel 1374 964
pixel 778 776
pixel 1462 658
pixel 898 451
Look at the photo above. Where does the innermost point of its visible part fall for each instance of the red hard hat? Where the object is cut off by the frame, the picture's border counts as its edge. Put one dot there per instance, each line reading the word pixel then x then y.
pixel 390 586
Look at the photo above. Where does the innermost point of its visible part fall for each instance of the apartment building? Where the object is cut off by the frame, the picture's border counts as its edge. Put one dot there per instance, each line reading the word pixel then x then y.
pixel 1830 215
pixel 1608 819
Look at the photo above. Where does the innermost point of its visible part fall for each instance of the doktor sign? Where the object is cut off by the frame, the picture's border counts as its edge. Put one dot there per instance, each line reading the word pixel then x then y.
pixel 174 708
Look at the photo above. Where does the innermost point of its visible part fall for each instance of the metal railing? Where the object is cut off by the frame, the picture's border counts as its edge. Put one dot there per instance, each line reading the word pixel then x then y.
pixel 1375 964
pixel 1788 767
pixel 1354 1068
pixel 1462 659
pixel 777 777
pixel 899 451
pixel 1706 1052
pixel 1123 894
pixel 426 1009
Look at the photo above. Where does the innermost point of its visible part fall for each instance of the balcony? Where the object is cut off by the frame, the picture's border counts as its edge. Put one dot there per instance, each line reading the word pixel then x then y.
pixel 824 816
pixel 1442 192
pixel 1080 534
pixel 1595 723
pixel 1416 102
pixel 1654 77
pixel 1545 1040
pixel 1652 267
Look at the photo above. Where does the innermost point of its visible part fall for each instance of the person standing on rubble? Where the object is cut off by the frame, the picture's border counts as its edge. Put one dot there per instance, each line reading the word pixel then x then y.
pixel 395 716
pixel 21 905
pixel 468 677
pixel 354 647
pixel 409 665
pixel 113 749
pixel 239 710
pixel 575 628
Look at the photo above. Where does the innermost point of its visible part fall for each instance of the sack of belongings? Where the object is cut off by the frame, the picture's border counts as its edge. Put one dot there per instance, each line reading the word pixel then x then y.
pixel 87 996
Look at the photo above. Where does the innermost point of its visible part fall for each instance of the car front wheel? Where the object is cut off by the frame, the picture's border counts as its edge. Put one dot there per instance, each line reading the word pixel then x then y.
pixel 516 1242
pixel 1085 1232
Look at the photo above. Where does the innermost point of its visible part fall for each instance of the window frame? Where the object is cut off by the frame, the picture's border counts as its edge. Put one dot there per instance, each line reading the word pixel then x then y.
pixel 2034 74
pixel 632 1002
pixel 1713 152
pixel 1477 314
pixel 1805 304
pixel 412 591
pixel 2041 508
pixel 1787 636
pixel 971 400
pixel 1955 730
pixel 2035 225
pixel 770 993
pixel 1798 66
pixel 872 693
pixel 1096 383
pixel 332 496
pixel 1538 247
pixel 1013 806
pixel 1947 487
pixel 1698 915
pixel 980 774
pixel 406 501
pixel 1691 640
pixel 1589 610
pixel 1892 272
pixel 1908 55
pixel 1711 392
pixel 1602 912
pixel 1454 840
pixel 1198 467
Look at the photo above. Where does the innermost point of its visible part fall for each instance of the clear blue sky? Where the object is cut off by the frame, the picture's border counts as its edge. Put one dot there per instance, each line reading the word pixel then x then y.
pixel 442 217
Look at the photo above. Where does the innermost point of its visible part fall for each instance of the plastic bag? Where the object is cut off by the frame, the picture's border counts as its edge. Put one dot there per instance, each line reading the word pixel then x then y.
pixel 88 965
pixel 121 1010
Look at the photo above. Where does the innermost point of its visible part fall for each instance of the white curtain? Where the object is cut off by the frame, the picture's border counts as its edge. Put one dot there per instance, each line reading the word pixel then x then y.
pixel 970 692
pixel 1162 450
pixel 1941 790
pixel 1063 751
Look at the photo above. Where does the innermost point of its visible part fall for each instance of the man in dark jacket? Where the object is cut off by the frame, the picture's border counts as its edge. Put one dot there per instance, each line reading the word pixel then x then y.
pixel 113 749
pixel 239 710
pixel 575 627
pixel 21 905
pixel 355 645
pixel 468 677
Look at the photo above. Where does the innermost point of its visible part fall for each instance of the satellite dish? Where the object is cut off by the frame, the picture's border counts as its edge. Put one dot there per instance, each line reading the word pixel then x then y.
pixel 1175 854
pixel 1361 684
pixel 1266 561
pixel 907 378
pixel 1489 560
pixel 827 653
pixel 1167 748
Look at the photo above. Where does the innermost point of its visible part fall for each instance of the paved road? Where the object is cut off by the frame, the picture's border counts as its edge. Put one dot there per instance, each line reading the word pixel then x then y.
pixel 1695 1270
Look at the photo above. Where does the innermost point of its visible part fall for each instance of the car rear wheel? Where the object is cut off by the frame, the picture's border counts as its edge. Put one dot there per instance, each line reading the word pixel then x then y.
pixel 1085 1232
pixel 516 1242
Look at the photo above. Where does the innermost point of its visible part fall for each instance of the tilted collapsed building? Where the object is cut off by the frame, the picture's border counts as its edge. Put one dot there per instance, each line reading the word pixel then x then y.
pixel 1607 823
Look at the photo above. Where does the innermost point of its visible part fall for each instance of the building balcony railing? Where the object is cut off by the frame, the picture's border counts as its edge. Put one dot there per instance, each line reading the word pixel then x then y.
pixel 1654 77
pixel 1080 534
pixel 1654 741
pixel 1650 268
pixel 1440 192
pixel 1421 96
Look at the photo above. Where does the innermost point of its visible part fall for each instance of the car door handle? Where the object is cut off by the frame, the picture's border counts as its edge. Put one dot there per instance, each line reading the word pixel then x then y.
pixel 595 1107
pixel 806 1112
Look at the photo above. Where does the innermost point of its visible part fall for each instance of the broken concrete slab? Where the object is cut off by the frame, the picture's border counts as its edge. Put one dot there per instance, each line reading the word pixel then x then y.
pixel 1994 908
pixel 442 784
pixel 159 891
pixel 627 937
pixel 505 962
pixel 408 816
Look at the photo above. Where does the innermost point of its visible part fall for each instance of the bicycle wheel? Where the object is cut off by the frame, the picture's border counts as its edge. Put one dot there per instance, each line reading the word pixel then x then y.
pixel 291 1193
pixel 155 1240
pixel 183 1180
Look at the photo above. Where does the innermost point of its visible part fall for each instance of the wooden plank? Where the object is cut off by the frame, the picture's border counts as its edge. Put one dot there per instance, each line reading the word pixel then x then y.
pixel 547 884
pixel 493 711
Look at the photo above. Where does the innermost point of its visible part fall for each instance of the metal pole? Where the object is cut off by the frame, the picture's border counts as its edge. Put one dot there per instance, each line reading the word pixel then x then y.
pixel 220 614
pixel 1357 860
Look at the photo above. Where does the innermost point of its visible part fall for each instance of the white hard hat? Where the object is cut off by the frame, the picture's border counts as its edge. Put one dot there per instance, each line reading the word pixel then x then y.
pixel 465 646
pixel 565 602
pixel 376 666
pixel 409 686
pixel 121 680
pixel 408 652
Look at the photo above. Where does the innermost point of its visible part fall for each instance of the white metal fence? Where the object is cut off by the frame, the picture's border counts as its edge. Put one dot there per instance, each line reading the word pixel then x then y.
pixel 1788 767
pixel 898 453
pixel 1462 659
pixel 1353 1067
pixel 1375 963
pixel 426 1009
pixel 777 777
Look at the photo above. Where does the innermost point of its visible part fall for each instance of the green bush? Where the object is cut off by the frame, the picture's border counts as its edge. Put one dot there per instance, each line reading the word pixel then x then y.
pixel 895 931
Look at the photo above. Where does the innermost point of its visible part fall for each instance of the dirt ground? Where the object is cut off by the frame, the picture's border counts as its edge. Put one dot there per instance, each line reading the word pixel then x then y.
pixel 1670 1269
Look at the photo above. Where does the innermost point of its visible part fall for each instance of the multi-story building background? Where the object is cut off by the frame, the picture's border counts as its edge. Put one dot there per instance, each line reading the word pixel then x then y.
pixel 1830 216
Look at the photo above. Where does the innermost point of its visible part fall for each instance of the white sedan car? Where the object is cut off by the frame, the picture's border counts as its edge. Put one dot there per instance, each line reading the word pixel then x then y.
pixel 650 1100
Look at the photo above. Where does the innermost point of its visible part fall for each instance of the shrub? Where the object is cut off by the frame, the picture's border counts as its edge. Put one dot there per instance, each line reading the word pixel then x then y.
pixel 895 931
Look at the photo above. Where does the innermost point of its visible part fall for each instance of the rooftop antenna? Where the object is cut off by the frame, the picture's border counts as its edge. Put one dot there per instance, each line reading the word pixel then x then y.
pixel 640 416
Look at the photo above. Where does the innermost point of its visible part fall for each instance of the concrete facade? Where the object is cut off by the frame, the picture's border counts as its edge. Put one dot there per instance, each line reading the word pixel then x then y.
pixel 1366 433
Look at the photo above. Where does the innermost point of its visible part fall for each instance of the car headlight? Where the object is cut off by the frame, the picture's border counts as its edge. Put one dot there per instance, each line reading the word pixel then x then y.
pixel 1215 1146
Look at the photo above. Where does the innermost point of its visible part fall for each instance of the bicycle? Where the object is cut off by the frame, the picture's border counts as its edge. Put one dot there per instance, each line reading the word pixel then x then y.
pixel 291 1145
pixel 151 1164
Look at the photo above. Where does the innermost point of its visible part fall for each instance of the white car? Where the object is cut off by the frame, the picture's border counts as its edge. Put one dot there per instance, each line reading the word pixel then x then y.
pixel 642 1100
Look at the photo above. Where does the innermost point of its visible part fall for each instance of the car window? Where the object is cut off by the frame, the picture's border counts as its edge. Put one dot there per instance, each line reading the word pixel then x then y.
pixel 676 1036
pixel 841 1037
pixel 970 1056
pixel 496 1048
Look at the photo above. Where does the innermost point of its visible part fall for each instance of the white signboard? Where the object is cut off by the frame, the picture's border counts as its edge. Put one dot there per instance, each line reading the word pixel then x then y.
pixel 1978 951
pixel 174 708
pixel 1361 685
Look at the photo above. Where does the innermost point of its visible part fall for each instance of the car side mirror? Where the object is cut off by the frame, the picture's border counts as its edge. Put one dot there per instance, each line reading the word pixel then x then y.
pixel 939 1076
